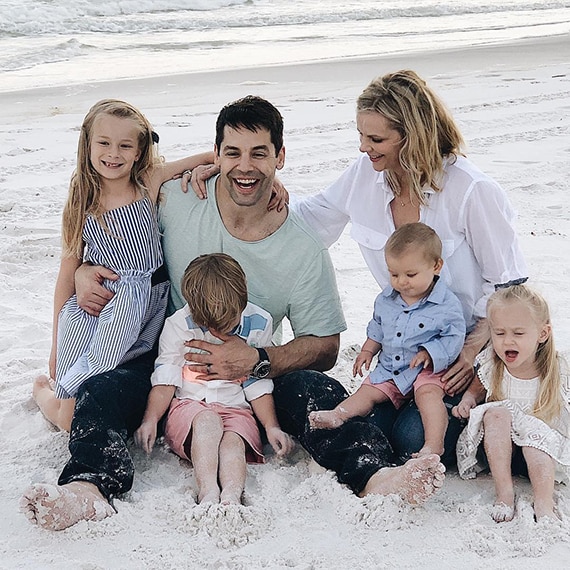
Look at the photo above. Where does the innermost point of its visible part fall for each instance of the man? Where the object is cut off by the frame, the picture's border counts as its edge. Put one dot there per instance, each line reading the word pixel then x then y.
pixel 289 274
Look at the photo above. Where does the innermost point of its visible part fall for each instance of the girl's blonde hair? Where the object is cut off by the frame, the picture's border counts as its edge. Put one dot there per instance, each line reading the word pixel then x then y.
pixel 426 127
pixel 548 404
pixel 214 286
pixel 85 187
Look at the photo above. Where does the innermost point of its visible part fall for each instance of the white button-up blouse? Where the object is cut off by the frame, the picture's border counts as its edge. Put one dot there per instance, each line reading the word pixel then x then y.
pixel 471 215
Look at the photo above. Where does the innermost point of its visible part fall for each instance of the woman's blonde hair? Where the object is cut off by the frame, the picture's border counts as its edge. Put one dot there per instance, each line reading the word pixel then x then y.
pixel 215 288
pixel 428 131
pixel 548 404
pixel 85 187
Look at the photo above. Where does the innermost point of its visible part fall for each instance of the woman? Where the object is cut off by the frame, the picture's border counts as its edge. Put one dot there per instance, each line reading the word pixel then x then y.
pixel 412 170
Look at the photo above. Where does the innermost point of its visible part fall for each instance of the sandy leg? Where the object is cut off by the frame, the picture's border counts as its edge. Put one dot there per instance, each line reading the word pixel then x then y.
pixel 58 412
pixel 415 481
pixel 541 469
pixel 498 447
pixel 58 507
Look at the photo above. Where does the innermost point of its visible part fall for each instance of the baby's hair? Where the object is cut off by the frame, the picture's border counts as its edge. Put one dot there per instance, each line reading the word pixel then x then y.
pixel 85 186
pixel 215 288
pixel 548 402
pixel 416 235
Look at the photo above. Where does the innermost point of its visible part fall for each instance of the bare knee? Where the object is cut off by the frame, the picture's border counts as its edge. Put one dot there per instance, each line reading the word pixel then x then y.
pixel 234 441
pixel 429 391
pixel 207 420
pixel 497 416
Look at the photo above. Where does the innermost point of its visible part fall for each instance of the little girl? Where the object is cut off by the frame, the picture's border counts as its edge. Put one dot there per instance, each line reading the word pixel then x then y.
pixel 525 424
pixel 210 422
pixel 109 219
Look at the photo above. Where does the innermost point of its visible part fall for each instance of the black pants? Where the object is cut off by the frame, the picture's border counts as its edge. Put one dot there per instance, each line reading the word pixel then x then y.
pixel 108 409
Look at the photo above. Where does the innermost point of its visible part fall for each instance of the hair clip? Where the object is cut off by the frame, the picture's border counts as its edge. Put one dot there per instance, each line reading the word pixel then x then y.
pixel 155 137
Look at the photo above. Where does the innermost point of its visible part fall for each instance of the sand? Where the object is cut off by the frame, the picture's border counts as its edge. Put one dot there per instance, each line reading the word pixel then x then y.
pixel 512 103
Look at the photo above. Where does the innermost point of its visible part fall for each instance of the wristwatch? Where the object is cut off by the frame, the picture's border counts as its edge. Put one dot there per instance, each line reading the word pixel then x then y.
pixel 263 366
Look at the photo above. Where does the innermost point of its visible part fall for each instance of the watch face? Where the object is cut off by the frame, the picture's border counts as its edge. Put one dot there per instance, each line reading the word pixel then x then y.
pixel 262 369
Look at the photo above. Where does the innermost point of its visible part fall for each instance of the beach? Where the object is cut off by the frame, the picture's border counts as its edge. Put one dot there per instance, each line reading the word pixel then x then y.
pixel 512 103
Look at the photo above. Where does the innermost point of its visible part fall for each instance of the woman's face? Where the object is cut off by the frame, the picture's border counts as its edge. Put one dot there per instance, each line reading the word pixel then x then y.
pixel 379 141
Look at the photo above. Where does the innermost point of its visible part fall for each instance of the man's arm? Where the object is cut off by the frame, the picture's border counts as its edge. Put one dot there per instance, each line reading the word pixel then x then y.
pixel 234 358
pixel 91 295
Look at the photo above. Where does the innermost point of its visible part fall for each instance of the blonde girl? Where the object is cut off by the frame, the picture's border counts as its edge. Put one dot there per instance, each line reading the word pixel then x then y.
pixel 525 422
pixel 110 220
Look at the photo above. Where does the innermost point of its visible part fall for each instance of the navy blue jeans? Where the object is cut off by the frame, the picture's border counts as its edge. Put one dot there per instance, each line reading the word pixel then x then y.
pixel 109 408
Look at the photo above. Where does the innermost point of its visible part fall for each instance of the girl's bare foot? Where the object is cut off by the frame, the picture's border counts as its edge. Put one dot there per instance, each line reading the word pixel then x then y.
pixel 415 481
pixel 41 384
pixel 503 512
pixel 56 507
pixel 544 509
pixel 327 419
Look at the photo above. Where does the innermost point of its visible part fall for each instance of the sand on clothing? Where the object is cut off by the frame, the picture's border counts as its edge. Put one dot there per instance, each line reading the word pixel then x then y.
pixel 512 103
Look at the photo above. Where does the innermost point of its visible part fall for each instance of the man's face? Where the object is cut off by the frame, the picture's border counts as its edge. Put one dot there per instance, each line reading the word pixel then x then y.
pixel 247 165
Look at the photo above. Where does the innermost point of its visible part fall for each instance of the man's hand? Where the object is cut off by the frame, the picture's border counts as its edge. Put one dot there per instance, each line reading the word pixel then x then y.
pixel 460 374
pixel 227 361
pixel 91 295
pixel 145 436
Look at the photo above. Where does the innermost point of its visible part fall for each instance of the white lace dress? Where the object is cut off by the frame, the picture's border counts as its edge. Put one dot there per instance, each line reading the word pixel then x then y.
pixel 526 430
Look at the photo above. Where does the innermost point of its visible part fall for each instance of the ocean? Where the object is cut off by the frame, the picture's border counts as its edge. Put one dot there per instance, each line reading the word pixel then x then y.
pixel 61 42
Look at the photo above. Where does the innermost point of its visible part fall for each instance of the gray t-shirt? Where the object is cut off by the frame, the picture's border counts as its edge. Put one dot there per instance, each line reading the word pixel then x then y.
pixel 289 273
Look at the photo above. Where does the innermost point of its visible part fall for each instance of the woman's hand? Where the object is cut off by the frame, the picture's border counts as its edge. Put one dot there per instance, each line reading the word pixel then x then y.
pixel 279 196
pixel 460 374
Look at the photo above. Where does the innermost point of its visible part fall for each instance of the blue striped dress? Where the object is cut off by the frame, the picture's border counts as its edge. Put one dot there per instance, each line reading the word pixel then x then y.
pixel 130 323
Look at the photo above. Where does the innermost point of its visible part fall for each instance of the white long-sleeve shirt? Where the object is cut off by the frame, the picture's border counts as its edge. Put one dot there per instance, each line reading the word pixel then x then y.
pixel 471 215
pixel 255 327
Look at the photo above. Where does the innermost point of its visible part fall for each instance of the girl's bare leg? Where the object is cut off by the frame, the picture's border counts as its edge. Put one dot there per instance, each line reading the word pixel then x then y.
pixel 359 404
pixel 232 470
pixel 429 399
pixel 499 450
pixel 58 412
pixel 206 435
pixel 541 469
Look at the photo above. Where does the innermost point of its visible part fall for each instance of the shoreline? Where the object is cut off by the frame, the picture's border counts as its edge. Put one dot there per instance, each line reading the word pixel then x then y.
pixel 191 88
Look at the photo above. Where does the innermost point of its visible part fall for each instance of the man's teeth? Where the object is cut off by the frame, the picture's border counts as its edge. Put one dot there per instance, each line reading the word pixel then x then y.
pixel 246 181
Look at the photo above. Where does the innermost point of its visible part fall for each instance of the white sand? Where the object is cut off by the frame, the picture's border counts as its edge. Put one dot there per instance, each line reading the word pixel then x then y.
pixel 512 103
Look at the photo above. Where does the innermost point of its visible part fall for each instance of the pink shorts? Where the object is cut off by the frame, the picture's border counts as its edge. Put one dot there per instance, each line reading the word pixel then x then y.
pixel 393 392
pixel 238 420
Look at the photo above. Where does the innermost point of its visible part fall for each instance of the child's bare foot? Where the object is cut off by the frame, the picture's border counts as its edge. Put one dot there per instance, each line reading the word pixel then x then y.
pixel 57 507
pixel 209 496
pixel 327 419
pixel 501 512
pixel 231 496
pixel 544 509
pixel 415 481
pixel 41 385
pixel 429 450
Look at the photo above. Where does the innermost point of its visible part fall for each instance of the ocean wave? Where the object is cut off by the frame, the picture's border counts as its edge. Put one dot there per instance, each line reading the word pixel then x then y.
pixel 32 18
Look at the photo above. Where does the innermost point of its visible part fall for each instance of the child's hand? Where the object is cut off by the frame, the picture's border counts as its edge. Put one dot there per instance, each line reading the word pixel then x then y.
pixel 463 409
pixel 363 359
pixel 281 442
pixel 422 358
pixel 145 436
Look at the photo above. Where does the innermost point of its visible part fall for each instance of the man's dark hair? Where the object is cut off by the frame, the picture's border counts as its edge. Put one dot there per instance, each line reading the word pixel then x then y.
pixel 252 113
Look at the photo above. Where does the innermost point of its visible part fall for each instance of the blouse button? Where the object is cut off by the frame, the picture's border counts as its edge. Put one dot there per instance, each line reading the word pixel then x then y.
pixel 421 325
